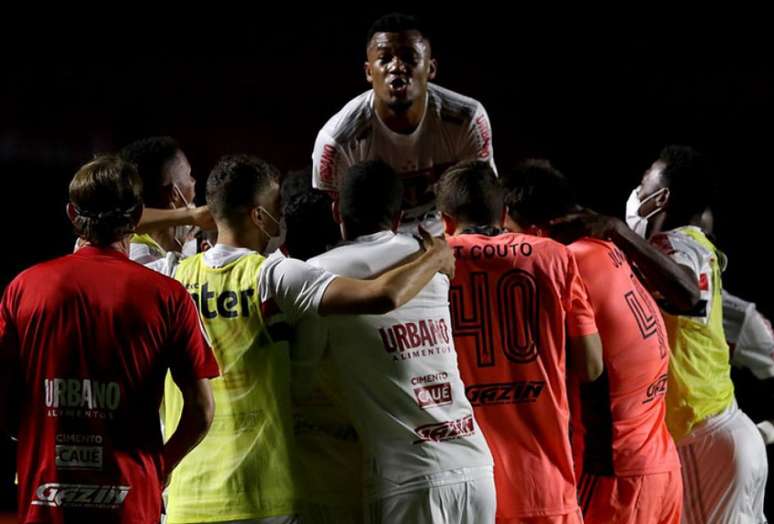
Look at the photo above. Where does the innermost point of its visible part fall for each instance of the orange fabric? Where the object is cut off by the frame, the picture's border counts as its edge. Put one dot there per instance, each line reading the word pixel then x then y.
pixel 514 300
pixel 619 426
pixel 646 499
pixel 574 517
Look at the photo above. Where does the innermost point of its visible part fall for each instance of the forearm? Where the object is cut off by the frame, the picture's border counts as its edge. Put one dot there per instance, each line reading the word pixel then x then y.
pixel 391 290
pixel 155 219
pixel 195 420
pixel 663 276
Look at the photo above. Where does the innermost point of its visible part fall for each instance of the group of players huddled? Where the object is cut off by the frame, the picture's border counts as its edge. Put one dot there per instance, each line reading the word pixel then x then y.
pixel 401 335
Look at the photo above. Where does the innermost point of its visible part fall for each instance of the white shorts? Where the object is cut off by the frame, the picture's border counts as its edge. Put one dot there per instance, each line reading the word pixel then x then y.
pixel 724 471
pixel 467 502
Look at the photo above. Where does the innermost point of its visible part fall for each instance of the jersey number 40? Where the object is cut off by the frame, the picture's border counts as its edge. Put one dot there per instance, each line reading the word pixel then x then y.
pixel 515 301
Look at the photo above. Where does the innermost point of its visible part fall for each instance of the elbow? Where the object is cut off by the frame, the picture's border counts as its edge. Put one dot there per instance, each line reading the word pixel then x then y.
pixel 593 370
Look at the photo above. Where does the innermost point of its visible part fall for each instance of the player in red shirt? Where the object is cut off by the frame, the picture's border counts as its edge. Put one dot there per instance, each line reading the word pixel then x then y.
pixel 517 301
pixel 626 460
pixel 85 344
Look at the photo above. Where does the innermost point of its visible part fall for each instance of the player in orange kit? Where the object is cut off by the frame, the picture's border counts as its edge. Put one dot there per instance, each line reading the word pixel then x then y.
pixel 516 301
pixel 626 460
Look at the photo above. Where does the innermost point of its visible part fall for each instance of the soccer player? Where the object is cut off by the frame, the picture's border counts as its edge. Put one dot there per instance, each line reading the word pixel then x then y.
pixel 166 184
pixel 626 462
pixel 87 340
pixel 425 457
pixel 722 454
pixel 243 469
pixel 517 301
pixel 327 445
pixel 415 126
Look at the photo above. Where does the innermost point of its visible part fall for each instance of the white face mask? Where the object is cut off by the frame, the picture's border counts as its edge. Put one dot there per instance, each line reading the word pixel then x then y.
pixel 275 241
pixel 637 223
pixel 185 235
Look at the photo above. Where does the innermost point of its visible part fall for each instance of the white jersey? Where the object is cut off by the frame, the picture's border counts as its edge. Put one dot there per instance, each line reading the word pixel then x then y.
pixel 750 336
pixel 399 376
pixel 455 128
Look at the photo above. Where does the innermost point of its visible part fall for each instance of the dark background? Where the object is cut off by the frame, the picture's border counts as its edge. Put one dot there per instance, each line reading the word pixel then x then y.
pixel 598 93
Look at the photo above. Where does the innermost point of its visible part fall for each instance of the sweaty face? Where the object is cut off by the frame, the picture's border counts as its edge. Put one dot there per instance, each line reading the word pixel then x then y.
pixel 399 67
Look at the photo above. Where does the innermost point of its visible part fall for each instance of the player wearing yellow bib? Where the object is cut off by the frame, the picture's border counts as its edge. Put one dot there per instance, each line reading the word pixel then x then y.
pixel 243 471
pixel 721 451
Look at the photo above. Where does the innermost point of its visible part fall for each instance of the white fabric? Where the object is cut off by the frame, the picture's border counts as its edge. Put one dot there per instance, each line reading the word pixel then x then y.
pixel 295 286
pixel 454 128
pixel 724 471
pixel 767 431
pixel 469 502
pixel 390 365
pixel 687 252
pixel 750 335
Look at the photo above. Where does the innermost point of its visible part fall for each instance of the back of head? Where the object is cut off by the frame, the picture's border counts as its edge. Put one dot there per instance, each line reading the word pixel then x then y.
pixel 370 196
pixel 311 229
pixel 151 157
pixel 689 179
pixel 106 199
pixel 234 186
pixel 536 192
pixel 471 194
pixel 397 23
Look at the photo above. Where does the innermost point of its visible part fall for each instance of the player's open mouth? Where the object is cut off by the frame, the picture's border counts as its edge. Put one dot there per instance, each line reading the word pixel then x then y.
pixel 398 85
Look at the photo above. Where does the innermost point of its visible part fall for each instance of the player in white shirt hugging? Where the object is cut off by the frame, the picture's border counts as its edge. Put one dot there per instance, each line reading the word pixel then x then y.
pixel 425 457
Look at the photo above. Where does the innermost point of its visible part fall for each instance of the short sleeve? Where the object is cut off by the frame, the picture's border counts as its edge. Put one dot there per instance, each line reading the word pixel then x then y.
pixel 328 163
pixel 580 312
pixel 476 142
pixel 296 287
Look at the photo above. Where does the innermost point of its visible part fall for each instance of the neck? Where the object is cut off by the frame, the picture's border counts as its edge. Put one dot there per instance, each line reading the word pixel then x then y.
pixel 403 122
pixel 122 246
pixel 462 226
pixel 236 238
pixel 166 239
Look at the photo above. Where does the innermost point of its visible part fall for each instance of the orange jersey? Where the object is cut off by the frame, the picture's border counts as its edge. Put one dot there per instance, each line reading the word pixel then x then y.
pixel 514 300
pixel 619 426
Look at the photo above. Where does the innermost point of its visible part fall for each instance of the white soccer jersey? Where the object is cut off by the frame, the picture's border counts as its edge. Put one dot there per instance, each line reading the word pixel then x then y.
pixel 750 335
pixel 454 128
pixel 399 376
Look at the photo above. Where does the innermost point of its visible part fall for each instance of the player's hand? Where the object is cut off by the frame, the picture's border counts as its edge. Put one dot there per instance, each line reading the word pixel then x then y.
pixel 584 223
pixel 202 218
pixel 440 248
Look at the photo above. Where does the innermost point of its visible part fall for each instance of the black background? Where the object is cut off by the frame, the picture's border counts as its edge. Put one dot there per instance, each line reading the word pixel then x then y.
pixel 597 92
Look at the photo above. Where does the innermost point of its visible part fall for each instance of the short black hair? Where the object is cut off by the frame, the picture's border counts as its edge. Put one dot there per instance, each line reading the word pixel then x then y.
pixel 235 183
pixel 106 195
pixel 536 192
pixel 370 197
pixel 310 228
pixel 469 192
pixel 690 181
pixel 150 156
pixel 397 23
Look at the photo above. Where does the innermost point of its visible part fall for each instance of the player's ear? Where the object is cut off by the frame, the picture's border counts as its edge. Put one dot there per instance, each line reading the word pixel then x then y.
pixel 433 69
pixel 663 198
pixel 449 224
pixel 368 73
pixel 336 211
pixel 255 217
pixel 70 210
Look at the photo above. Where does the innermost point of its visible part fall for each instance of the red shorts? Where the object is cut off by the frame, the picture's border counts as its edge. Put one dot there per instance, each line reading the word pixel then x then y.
pixel 641 499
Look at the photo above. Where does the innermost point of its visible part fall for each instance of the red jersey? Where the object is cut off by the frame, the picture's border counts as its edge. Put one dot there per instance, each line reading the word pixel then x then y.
pixel 93 335
pixel 619 426
pixel 515 299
